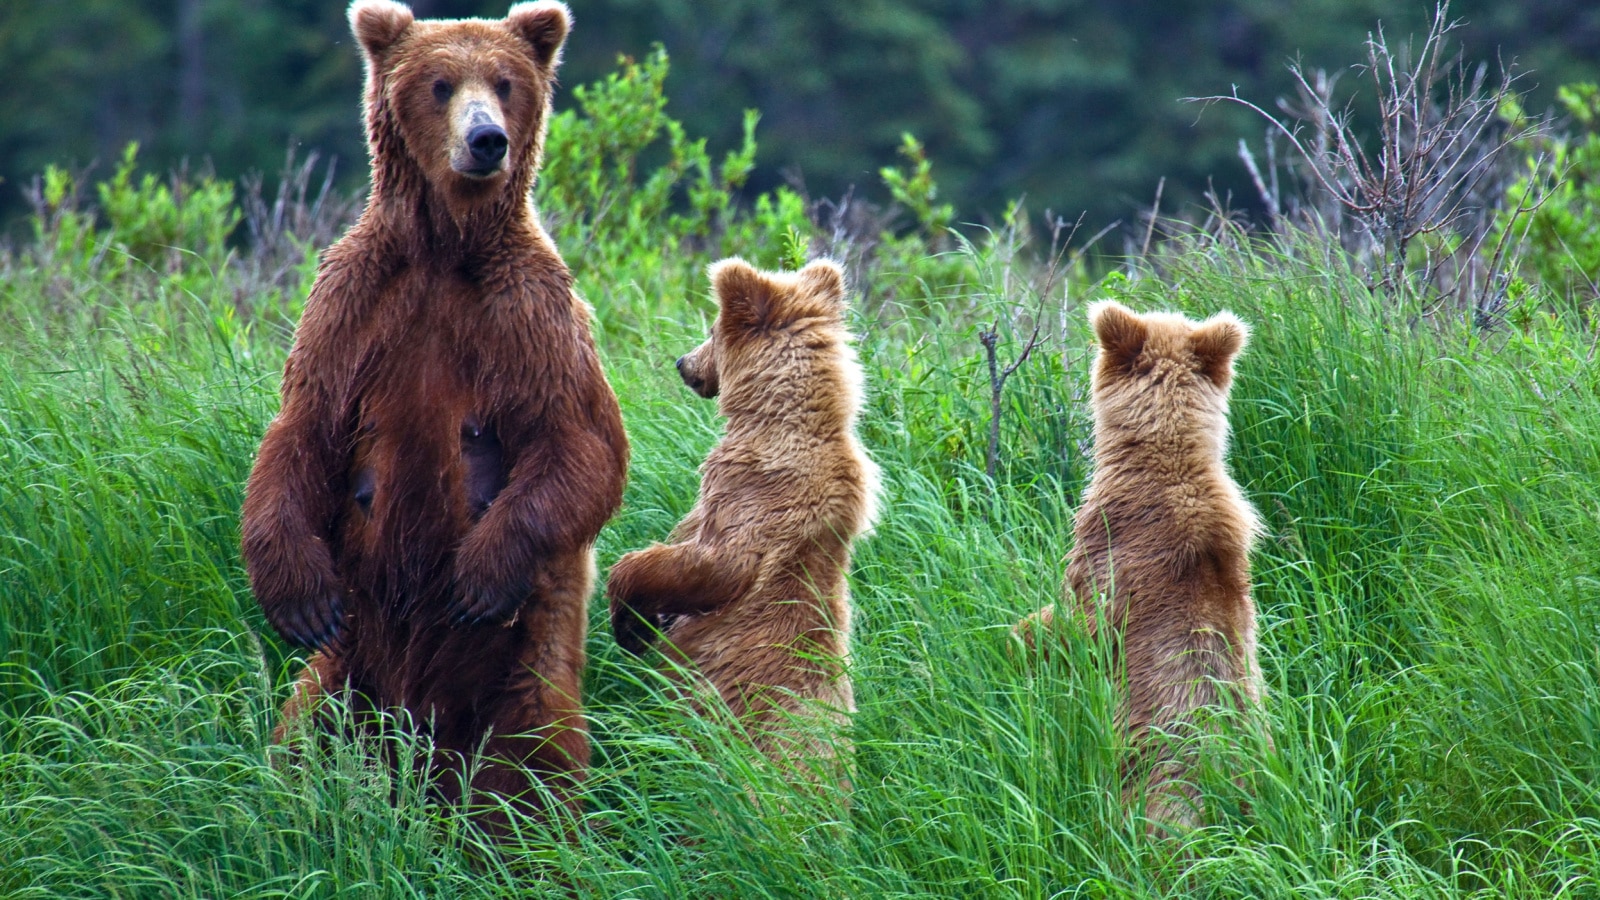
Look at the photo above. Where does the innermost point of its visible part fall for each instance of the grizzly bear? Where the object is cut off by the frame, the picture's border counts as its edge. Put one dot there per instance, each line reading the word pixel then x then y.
pixel 423 508
pixel 752 593
pixel 1161 552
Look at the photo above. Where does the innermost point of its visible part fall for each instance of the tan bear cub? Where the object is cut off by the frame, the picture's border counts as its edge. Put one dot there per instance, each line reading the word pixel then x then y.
pixel 423 509
pixel 752 591
pixel 1161 552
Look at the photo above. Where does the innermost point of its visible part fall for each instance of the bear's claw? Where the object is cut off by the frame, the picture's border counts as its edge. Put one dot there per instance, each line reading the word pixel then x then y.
pixel 313 625
pixel 478 604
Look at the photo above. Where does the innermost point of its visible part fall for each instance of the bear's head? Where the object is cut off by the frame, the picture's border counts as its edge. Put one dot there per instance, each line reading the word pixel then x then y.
pixel 461 103
pixel 1162 376
pixel 776 333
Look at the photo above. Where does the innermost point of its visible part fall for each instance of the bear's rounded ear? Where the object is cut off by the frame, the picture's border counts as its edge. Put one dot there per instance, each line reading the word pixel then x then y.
pixel 744 294
pixel 1216 343
pixel 544 25
pixel 378 24
pixel 1121 332
pixel 824 280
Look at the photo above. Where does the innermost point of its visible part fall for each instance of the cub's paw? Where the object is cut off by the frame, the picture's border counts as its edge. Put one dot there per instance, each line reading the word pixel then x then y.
pixel 1034 627
pixel 633 629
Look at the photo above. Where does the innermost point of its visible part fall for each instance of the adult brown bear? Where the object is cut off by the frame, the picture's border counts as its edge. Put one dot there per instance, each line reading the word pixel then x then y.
pixel 422 509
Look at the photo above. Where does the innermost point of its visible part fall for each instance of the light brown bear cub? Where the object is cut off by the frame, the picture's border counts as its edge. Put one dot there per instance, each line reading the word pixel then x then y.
pixel 1162 540
pixel 752 591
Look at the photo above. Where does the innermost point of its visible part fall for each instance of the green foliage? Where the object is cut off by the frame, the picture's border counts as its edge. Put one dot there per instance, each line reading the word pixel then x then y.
pixel 916 190
pixel 1553 210
pixel 154 223
pixel 592 168
pixel 622 181
pixel 146 222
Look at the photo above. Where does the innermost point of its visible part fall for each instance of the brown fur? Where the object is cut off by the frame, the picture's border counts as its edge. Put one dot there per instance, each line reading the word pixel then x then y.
pixel 752 591
pixel 1162 539
pixel 423 507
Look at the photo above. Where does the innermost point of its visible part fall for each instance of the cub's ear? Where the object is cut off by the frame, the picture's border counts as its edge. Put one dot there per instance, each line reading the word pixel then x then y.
pixel 378 24
pixel 824 280
pixel 1121 332
pixel 744 294
pixel 1216 342
pixel 544 25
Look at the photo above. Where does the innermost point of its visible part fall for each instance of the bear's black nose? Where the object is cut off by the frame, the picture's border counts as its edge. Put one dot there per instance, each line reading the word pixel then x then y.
pixel 487 143
pixel 679 364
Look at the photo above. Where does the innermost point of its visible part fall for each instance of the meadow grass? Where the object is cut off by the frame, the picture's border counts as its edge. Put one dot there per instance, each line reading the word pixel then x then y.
pixel 1429 593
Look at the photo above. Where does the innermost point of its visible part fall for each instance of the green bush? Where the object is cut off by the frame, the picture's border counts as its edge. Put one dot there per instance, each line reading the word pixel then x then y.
pixel 1559 240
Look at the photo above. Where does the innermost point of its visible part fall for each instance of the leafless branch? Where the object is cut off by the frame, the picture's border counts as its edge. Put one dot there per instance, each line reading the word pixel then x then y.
pixel 1440 146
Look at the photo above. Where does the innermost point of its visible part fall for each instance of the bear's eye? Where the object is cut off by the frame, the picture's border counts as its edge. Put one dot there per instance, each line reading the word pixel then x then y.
pixel 502 89
pixel 442 90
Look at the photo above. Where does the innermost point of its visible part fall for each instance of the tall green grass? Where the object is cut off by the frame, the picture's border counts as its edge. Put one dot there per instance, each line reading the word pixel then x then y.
pixel 1429 594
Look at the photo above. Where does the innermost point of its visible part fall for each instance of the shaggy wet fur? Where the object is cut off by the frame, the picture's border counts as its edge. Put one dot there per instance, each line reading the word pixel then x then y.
pixel 1162 542
pixel 423 508
pixel 752 592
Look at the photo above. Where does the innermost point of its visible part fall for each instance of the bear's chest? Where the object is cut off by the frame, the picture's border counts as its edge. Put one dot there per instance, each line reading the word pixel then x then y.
pixel 431 410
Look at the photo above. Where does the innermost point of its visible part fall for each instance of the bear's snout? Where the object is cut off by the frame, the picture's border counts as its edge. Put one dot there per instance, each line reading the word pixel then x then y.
pixel 488 145
pixel 695 382
pixel 479 133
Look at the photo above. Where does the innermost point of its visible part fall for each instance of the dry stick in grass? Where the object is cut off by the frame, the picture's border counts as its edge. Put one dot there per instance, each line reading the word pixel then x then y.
pixel 990 337
pixel 1155 212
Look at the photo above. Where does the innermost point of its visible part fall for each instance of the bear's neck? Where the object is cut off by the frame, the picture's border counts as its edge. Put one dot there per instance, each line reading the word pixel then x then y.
pixel 1158 450
pixel 816 404
pixel 426 225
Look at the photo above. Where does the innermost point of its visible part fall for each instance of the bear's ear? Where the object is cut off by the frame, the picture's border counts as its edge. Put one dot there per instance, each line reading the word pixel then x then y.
pixel 1216 342
pixel 378 24
pixel 544 25
pixel 1121 332
pixel 744 294
pixel 824 281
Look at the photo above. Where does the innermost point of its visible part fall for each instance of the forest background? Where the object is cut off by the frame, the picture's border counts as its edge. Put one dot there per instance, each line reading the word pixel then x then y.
pixel 1073 105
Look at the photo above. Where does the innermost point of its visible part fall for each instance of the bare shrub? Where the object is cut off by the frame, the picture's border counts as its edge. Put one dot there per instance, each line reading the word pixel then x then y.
pixel 1416 203
pixel 297 222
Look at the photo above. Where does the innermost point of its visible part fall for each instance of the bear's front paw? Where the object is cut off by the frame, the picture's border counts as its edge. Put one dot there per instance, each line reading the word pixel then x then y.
pixel 634 630
pixel 633 627
pixel 315 624
pixel 484 601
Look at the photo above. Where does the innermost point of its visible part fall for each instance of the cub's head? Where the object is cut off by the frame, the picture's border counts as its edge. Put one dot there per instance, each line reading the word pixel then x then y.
pixel 776 333
pixel 466 101
pixel 1161 372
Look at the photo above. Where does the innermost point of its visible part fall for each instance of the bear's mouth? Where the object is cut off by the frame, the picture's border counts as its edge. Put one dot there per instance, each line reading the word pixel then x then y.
pixel 479 174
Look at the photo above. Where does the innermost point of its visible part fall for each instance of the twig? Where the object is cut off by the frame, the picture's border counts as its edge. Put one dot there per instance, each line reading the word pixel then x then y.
pixel 1155 211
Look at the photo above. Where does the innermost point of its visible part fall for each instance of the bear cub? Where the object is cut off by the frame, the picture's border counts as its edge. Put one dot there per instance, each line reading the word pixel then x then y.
pixel 752 590
pixel 1161 552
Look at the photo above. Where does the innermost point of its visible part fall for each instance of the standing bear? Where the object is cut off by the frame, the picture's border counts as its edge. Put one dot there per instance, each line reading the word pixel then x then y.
pixel 1161 552
pixel 752 593
pixel 423 508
